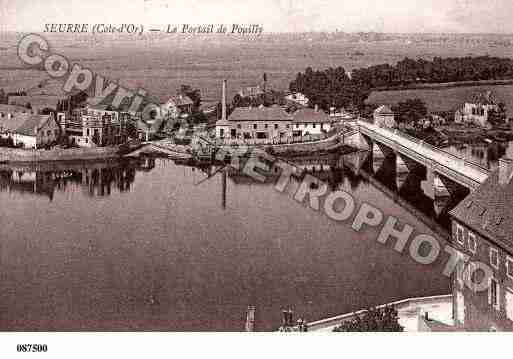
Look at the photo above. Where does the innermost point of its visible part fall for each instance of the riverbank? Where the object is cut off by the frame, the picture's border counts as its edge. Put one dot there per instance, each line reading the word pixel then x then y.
pixel 58 154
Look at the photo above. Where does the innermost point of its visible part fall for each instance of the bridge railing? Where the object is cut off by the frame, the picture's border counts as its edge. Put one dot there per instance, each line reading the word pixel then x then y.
pixel 435 149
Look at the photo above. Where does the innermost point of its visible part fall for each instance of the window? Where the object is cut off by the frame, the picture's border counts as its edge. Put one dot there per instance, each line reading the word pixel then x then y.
pixel 509 267
pixel 288 126
pixel 493 294
pixel 266 125
pixel 313 125
pixel 472 243
pixel 460 235
pixel 509 303
pixel 297 125
pixel 275 126
pixel 239 126
pixel 254 126
pixel 494 257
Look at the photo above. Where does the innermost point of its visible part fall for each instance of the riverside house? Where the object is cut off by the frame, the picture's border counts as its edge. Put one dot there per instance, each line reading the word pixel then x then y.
pixel 308 121
pixel 256 123
pixel 92 126
pixel 482 228
pixel 477 109
pixel 29 130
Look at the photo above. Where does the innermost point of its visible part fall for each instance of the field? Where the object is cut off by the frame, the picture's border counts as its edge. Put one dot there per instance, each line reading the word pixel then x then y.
pixel 444 99
pixel 161 64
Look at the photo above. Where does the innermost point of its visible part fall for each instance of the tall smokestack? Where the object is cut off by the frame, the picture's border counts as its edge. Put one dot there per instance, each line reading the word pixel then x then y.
pixel 223 113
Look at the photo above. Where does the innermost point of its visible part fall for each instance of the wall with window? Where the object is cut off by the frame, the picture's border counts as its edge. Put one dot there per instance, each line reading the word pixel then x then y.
pixel 310 128
pixel 482 310
pixel 256 129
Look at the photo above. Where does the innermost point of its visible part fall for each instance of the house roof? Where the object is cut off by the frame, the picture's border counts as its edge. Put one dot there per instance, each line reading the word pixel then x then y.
pixel 32 124
pixel 270 114
pixel 181 100
pixel 488 211
pixel 484 98
pixel 307 115
pixel 383 110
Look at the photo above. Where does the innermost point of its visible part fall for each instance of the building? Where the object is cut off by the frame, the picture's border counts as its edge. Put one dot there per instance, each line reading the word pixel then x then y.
pixel 297 98
pixel 179 106
pixel 477 110
pixel 482 228
pixel 255 123
pixel 251 91
pixel 308 121
pixel 384 117
pixel 36 131
pixel 91 126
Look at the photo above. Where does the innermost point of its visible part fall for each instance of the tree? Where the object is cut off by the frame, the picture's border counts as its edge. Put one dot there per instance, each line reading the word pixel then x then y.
pixel 497 117
pixel 410 111
pixel 385 319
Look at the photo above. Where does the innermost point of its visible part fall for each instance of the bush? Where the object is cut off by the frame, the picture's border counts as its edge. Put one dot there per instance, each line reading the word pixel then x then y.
pixel 383 319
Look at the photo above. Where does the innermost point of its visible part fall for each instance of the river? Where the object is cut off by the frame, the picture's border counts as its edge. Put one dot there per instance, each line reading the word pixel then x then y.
pixel 153 245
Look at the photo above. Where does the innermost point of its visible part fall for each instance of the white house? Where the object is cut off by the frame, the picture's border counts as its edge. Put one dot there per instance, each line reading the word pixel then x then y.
pixel 308 121
pixel 477 110
pixel 384 117
pixel 298 98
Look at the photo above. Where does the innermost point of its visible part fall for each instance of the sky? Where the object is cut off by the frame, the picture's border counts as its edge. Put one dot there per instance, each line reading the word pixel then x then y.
pixel 403 16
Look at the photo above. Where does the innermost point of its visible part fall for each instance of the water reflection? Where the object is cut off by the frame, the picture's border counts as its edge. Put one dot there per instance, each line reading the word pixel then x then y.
pixel 94 178
pixel 182 247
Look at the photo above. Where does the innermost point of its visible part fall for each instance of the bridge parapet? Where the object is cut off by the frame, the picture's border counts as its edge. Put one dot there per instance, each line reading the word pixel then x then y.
pixel 467 173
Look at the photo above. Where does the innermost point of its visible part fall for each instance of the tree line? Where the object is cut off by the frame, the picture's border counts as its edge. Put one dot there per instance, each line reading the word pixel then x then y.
pixel 334 87
pixel 439 70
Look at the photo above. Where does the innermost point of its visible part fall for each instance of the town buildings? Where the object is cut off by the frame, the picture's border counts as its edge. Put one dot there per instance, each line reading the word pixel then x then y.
pixel 384 117
pixel 482 227
pixel 30 130
pixel 255 123
pixel 477 110
pixel 272 123
pixel 308 121
pixel 91 126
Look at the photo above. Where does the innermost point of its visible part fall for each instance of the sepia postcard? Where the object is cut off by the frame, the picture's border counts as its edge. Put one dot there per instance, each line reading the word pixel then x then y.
pixel 281 166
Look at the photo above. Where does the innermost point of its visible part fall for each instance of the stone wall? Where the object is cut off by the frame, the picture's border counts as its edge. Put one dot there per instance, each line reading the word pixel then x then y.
pixel 26 155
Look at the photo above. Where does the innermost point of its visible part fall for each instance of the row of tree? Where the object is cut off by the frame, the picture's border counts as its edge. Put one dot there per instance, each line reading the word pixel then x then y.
pixel 331 88
pixel 452 69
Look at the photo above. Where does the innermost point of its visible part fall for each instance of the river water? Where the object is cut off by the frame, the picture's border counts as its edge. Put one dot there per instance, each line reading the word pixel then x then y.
pixel 153 245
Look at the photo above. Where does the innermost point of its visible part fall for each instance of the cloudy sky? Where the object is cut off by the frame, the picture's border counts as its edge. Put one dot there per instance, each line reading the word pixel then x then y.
pixel 467 16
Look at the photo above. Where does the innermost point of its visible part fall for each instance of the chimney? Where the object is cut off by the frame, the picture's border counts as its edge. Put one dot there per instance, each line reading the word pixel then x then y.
pixel 223 112
pixel 505 170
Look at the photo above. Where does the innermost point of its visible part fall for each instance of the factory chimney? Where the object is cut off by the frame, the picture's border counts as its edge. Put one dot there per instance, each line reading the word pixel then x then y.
pixel 223 113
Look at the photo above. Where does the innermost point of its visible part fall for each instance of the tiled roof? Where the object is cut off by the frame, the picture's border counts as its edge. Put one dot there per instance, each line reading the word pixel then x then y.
pixel 383 110
pixel 32 123
pixel 270 114
pixel 488 211
pixel 307 115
